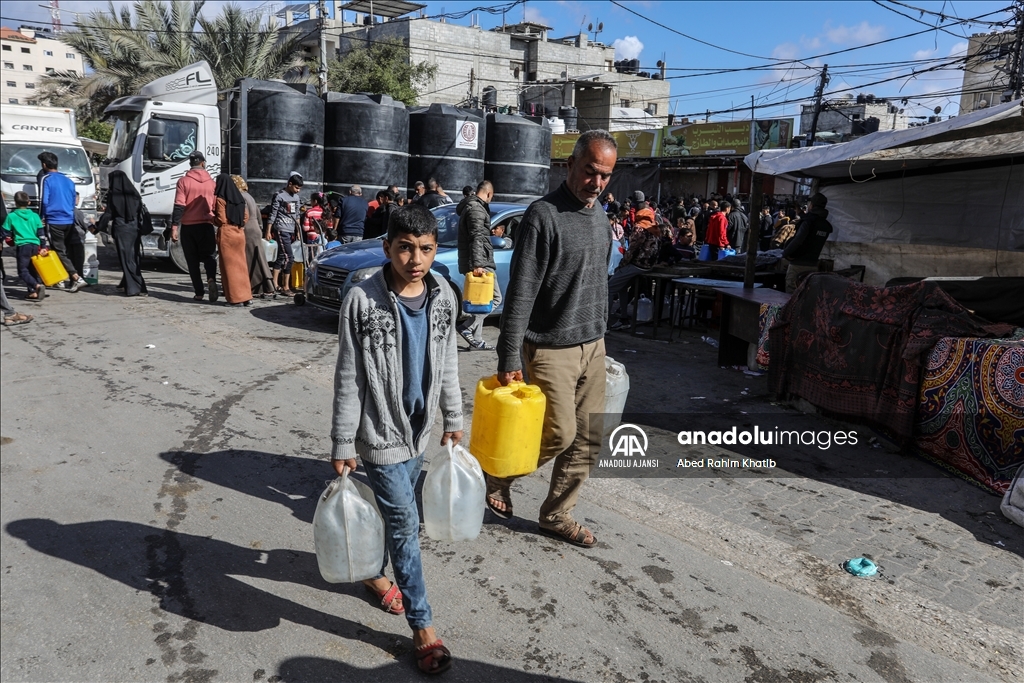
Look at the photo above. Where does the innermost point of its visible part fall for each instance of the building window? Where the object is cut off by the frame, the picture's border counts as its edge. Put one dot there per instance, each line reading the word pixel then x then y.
pixel 7 48
pixel 27 67
pixel 50 70
pixel 624 103
pixel 48 53
pixel 8 65
pixel 30 86
pixel 12 84
pixel 12 100
pixel 69 55
pixel 26 51
pixel 652 109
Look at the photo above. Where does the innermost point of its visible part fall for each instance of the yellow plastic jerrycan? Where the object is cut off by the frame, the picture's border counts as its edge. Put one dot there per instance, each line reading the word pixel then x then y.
pixel 507 424
pixel 478 293
pixel 298 276
pixel 50 269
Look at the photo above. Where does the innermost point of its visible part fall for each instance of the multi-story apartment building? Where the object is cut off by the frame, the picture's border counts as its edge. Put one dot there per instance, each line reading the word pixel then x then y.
pixel 987 71
pixel 27 55
pixel 521 67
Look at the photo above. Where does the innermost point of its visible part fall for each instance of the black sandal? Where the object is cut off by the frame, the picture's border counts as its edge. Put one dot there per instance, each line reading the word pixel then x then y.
pixel 502 514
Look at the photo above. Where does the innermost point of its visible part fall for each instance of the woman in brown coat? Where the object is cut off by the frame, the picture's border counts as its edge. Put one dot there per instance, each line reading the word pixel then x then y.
pixel 261 280
pixel 229 215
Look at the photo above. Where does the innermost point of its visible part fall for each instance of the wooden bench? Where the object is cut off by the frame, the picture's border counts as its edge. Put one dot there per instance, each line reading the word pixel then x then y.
pixel 741 310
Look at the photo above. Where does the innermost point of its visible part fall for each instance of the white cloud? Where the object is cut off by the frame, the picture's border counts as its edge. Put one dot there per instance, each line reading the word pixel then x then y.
pixel 925 54
pixel 859 34
pixel 533 14
pixel 958 49
pixel 629 47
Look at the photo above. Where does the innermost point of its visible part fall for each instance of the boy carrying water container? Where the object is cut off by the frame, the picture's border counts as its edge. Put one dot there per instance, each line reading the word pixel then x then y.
pixel 397 364
pixel 29 237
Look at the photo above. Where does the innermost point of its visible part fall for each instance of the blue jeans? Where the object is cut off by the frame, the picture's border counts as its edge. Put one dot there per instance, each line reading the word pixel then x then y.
pixel 394 487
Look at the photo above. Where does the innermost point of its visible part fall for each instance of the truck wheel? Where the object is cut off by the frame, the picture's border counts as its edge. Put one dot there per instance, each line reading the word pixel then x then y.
pixel 177 256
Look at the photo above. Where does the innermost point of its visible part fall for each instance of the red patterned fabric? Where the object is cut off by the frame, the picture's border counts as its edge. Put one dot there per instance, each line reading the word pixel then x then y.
pixel 857 351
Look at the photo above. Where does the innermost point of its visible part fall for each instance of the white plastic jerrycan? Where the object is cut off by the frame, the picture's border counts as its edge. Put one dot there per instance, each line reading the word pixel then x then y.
pixel 348 533
pixel 453 496
pixel 616 389
pixel 644 310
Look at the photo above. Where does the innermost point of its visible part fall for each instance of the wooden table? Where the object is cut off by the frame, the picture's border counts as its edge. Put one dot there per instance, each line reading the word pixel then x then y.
pixel 702 284
pixel 741 310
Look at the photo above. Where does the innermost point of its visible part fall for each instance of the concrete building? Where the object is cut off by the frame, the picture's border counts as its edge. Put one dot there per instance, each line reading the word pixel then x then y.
pixel 844 119
pixel 28 54
pixel 986 74
pixel 517 67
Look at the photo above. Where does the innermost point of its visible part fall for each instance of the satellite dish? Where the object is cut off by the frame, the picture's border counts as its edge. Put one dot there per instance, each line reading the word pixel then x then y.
pixel 600 27
pixel 937 110
pixel 660 63
pixel 901 111
pixel 590 27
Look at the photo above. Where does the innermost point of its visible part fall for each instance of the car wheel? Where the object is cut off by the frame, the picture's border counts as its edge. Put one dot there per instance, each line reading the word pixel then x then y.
pixel 300 299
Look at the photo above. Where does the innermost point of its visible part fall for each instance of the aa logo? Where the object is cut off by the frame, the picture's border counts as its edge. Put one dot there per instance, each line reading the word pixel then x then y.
pixel 628 440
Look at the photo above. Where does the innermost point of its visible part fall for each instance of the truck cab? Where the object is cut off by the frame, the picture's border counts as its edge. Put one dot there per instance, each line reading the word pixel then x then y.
pixel 154 133
pixel 25 132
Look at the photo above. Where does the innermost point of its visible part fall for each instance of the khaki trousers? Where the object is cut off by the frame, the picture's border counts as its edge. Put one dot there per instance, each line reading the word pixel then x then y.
pixel 573 381
pixel 793 274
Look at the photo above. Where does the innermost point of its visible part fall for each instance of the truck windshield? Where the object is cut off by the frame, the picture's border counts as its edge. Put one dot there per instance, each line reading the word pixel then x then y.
pixel 122 141
pixel 21 159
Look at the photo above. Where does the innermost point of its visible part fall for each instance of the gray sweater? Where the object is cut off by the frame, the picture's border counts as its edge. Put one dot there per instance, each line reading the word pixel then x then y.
pixel 369 416
pixel 558 283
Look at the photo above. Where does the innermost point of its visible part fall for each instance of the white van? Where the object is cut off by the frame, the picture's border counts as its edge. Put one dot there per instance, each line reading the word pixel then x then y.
pixel 25 132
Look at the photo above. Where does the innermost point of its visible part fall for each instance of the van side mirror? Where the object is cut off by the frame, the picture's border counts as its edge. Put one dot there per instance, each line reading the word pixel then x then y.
pixel 501 242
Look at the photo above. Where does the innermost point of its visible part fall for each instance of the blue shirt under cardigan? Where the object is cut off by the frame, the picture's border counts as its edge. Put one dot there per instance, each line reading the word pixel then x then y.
pixel 415 369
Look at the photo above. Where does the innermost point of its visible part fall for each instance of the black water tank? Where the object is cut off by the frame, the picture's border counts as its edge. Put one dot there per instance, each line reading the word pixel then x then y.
pixel 518 157
pixel 275 130
pixel 570 115
pixel 366 142
pixel 490 96
pixel 446 143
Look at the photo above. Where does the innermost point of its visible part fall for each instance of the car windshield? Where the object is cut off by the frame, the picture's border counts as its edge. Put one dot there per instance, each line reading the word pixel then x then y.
pixel 23 159
pixel 448 225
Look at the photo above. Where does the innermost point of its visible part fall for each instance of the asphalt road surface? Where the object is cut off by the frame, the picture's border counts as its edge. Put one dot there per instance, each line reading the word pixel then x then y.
pixel 161 463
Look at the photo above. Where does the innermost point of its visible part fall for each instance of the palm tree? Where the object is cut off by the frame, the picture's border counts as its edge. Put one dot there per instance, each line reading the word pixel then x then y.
pixel 124 50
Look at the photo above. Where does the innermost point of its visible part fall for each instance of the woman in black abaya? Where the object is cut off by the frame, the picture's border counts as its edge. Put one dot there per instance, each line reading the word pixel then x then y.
pixel 126 219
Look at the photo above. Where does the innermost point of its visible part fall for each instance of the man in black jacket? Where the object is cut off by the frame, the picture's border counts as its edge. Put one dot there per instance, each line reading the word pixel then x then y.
pixel 738 225
pixel 476 255
pixel 803 250
pixel 377 223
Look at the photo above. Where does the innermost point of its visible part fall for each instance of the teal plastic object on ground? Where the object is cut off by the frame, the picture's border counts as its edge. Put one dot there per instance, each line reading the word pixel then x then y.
pixel 860 566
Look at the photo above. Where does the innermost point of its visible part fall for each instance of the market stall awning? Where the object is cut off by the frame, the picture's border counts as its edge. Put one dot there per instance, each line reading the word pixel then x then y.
pixel 994 133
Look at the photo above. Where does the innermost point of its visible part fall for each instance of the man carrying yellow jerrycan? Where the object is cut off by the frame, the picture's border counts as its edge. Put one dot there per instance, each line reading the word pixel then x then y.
pixel 556 311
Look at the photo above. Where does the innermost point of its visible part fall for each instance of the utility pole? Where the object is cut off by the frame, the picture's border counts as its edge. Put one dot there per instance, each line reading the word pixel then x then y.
pixel 1016 85
pixel 818 93
pixel 321 9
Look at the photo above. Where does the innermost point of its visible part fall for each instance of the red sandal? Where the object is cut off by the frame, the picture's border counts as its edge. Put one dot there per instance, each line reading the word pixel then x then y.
pixel 425 657
pixel 389 598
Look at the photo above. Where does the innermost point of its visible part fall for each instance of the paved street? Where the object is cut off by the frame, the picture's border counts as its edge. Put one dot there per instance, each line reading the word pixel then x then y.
pixel 156 509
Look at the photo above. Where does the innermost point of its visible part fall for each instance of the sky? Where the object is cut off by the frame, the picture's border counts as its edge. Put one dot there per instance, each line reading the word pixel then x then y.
pixel 768 33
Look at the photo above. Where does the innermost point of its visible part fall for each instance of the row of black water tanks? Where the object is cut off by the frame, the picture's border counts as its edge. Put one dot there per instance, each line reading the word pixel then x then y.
pixel 341 140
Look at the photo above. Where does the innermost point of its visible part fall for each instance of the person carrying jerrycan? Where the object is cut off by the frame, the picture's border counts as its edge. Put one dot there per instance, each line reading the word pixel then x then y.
pixel 556 307
pixel 397 348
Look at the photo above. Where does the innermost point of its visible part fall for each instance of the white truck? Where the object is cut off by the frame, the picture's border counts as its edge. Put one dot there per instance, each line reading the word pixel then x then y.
pixel 25 132
pixel 260 130
pixel 154 132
